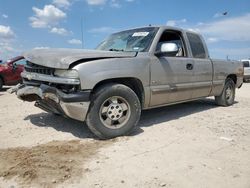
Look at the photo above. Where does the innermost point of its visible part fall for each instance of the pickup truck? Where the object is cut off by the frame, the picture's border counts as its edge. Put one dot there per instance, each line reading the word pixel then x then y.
pixel 130 71
pixel 246 65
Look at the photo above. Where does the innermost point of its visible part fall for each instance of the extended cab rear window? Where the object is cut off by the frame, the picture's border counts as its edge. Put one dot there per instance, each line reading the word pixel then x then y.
pixel 196 45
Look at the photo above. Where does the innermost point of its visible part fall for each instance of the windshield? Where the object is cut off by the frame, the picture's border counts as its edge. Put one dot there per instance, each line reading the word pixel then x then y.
pixel 138 40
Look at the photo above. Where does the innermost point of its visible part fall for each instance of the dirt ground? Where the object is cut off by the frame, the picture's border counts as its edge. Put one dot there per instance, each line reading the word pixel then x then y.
pixel 196 144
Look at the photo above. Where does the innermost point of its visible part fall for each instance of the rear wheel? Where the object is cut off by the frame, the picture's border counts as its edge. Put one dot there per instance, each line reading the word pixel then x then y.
pixel 114 111
pixel 228 94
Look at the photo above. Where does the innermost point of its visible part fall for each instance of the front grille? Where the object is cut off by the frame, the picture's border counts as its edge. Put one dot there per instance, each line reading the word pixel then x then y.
pixel 31 67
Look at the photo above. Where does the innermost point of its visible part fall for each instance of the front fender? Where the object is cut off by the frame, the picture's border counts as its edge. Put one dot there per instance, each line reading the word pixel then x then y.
pixel 91 73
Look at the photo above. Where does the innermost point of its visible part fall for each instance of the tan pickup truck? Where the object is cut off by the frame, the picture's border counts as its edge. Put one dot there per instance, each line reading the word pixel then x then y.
pixel 130 71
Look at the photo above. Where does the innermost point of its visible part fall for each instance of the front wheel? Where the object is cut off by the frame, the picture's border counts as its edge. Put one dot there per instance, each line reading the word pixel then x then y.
pixel 1 84
pixel 228 94
pixel 114 111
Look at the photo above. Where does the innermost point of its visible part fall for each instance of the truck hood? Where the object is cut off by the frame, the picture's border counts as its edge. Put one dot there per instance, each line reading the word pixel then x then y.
pixel 63 58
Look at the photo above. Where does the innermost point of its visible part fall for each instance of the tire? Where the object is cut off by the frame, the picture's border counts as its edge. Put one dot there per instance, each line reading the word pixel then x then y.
pixel 114 111
pixel 228 94
pixel 1 84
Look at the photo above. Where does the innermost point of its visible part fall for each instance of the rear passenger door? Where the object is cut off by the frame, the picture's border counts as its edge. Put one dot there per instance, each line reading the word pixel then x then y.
pixel 202 67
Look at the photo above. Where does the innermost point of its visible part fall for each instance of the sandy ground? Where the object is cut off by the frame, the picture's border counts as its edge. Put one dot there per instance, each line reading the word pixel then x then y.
pixel 194 144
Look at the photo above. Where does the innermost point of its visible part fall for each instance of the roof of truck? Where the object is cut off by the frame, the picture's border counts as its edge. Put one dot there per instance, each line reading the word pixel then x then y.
pixel 162 27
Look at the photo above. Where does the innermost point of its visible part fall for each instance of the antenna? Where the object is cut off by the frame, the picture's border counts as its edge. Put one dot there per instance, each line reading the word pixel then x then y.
pixel 82 30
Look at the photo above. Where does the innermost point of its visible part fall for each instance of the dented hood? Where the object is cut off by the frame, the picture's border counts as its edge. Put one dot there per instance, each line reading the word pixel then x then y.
pixel 63 58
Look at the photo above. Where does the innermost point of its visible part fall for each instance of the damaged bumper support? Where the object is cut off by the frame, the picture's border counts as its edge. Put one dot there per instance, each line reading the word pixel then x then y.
pixel 50 99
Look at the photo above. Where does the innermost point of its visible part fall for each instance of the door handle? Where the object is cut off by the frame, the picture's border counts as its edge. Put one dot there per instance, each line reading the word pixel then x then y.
pixel 189 66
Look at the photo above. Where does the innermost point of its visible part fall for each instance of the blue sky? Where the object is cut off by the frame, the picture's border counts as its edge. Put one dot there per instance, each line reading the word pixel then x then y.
pixel 31 24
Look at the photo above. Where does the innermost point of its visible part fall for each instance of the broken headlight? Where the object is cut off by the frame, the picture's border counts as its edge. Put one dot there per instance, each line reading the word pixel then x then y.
pixel 66 73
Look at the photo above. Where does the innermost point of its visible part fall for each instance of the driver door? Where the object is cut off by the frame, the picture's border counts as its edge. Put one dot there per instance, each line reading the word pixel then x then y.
pixel 171 75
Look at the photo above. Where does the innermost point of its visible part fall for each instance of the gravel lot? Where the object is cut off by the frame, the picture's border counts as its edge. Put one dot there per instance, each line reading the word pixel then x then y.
pixel 194 144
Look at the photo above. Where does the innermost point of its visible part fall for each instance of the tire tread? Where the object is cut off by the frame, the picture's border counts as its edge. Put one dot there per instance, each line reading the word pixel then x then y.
pixel 221 100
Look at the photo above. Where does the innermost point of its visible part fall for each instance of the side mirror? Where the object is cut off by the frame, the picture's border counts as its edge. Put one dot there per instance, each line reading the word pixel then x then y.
pixel 167 49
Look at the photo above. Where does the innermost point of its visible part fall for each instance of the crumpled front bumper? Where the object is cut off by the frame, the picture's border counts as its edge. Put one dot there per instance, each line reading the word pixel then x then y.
pixel 50 99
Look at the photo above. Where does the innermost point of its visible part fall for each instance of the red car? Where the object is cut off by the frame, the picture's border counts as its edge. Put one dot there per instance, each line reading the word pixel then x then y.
pixel 10 72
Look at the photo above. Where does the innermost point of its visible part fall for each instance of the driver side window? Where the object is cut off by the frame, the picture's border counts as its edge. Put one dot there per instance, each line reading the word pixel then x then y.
pixel 175 38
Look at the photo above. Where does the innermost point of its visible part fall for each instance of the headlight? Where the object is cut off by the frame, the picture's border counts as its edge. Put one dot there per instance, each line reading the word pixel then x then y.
pixel 66 73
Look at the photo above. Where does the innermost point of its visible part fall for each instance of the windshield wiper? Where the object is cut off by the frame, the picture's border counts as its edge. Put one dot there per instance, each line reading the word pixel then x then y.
pixel 116 50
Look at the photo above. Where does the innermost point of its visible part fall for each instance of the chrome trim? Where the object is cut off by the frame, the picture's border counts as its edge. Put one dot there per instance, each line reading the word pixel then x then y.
pixel 48 78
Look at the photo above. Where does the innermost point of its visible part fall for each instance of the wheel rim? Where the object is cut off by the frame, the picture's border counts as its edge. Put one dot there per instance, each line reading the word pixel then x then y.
pixel 114 112
pixel 229 92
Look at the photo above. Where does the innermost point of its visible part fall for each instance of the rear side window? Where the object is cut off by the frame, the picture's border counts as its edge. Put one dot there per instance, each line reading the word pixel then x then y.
pixel 245 63
pixel 196 45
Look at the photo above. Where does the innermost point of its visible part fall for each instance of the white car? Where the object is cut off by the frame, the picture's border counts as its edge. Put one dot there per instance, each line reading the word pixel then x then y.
pixel 246 64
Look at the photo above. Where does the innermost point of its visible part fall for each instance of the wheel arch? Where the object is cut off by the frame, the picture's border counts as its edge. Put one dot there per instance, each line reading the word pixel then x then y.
pixel 233 77
pixel 133 83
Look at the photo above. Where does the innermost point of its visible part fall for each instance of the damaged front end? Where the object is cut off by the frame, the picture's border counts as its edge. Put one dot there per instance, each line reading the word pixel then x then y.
pixel 51 93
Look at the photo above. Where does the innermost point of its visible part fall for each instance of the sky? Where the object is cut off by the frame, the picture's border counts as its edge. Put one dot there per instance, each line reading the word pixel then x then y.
pixel 28 24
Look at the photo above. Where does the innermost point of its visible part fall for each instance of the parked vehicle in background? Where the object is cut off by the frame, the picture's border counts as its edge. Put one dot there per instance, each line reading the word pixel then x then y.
pixel 130 71
pixel 246 65
pixel 10 71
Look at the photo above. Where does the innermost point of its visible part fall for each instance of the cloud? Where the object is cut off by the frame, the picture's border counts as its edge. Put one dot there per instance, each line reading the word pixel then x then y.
pixel 218 15
pixel 102 30
pixel 46 17
pixel 231 53
pixel 176 22
pixel 96 2
pixel 212 40
pixel 6 33
pixel 7 37
pixel 115 4
pixel 232 30
pixel 226 31
pixel 8 51
pixel 75 41
pixel 111 3
pixel 41 47
pixel 229 29
pixel 5 16
pixel 59 31
pixel 6 47
pixel 62 3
